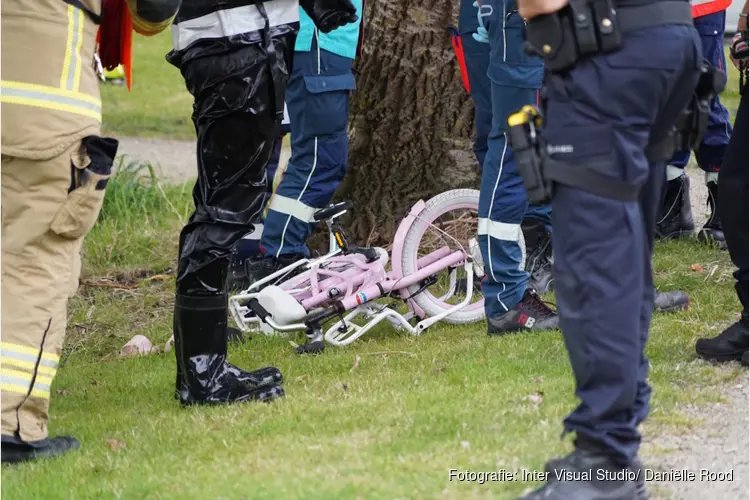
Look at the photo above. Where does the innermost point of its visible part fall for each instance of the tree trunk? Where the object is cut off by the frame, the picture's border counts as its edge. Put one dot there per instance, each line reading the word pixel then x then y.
pixel 411 120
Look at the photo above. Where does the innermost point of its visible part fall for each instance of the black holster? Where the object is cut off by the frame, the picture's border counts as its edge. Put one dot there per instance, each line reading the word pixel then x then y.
pixel 587 27
pixel 692 124
pixel 540 172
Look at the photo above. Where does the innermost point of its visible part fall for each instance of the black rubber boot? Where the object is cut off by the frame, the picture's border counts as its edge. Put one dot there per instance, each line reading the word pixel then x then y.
pixel 557 464
pixel 207 378
pixel 729 345
pixel 538 255
pixel 675 300
pixel 712 231
pixel 15 450
pixel 676 217
pixel 532 313
pixel 587 474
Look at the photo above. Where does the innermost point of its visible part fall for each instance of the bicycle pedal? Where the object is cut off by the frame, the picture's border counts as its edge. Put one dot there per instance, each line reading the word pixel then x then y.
pixel 316 347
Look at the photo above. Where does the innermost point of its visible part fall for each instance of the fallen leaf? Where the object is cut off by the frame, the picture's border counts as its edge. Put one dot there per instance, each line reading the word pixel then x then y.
pixel 465 445
pixel 356 363
pixel 115 444
pixel 697 268
pixel 480 361
pixel 438 371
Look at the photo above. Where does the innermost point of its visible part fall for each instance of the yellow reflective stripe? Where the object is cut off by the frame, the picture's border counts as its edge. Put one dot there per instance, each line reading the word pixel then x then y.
pixel 19 389
pixel 20 382
pixel 33 87
pixel 40 378
pixel 42 96
pixel 22 349
pixel 28 365
pixel 71 71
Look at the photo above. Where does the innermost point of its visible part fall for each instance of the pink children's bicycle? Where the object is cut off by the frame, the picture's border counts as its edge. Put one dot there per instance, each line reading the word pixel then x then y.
pixel 435 268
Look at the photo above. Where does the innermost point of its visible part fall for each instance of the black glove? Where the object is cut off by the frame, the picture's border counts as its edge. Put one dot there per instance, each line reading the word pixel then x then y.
pixel 330 14
pixel 739 49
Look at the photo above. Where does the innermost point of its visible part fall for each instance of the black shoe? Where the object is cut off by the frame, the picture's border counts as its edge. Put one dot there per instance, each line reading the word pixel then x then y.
pixel 235 335
pixel 244 250
pixel 729 345
pixel 712 231
pixel 676 217
pixel 558 464
pixel 530 314
pixel 262 267
pixel 586 475
pixel 675 300
pixel 744 359
pixel 538 255
pixel 14 450
pixel 200 330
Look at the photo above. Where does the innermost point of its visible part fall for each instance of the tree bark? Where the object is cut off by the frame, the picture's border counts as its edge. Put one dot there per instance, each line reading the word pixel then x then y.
pixel 411 120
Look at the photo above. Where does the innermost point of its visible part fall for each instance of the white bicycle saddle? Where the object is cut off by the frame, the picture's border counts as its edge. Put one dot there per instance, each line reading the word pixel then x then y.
pixel 282 307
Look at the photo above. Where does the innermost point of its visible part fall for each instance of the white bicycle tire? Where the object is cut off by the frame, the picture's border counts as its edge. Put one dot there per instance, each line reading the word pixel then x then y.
pixel 434 208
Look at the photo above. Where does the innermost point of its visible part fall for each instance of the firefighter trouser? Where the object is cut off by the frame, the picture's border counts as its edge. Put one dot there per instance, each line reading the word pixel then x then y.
pixel 48 207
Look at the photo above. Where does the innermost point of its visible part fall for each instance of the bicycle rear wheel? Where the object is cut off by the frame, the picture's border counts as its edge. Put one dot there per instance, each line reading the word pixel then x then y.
pixel 449 219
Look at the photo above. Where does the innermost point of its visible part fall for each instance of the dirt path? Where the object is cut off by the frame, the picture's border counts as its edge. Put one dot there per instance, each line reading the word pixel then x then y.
pixel 719 444
pixel 175 162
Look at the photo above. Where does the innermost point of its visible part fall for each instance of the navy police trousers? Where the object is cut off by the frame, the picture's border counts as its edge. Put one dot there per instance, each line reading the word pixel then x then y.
pixel 503 77
pixel 317 98
pixel 713 147
pixel 602 115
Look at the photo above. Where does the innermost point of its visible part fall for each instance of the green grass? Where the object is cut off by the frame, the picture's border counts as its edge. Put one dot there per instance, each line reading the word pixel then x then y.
pixel 158 105
pixel 389 425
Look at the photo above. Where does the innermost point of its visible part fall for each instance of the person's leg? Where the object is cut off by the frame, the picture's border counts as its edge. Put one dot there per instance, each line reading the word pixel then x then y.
pixel 237 125
pixel 733 342
pixel 515 78
pixel 43 226
pixel 713 147
pixel 602 245
pixel 249 246
pixel 318 101
pixel 477 58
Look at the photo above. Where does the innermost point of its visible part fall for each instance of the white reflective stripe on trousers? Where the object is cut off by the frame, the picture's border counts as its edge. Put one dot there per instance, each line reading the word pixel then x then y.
pixel 499 230
pixel 292 208
pixel 235 21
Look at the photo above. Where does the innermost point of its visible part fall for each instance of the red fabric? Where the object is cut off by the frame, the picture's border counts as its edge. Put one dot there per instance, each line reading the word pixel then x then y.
pixel 115 38
pixel 704 9
pixel 458 48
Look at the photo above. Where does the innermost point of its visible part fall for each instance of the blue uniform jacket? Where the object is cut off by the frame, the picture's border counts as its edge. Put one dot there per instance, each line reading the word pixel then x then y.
pixel 342 41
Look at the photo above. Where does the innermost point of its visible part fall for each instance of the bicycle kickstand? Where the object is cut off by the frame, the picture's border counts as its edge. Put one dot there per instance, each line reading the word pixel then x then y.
pixel 314 344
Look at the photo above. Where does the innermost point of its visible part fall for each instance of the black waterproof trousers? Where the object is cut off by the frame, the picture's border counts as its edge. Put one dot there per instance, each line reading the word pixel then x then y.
pixel 734 198
pixel 238 86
